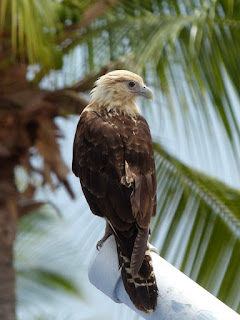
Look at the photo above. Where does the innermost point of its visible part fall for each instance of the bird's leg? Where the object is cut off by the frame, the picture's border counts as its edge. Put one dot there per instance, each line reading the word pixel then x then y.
pixel 108 233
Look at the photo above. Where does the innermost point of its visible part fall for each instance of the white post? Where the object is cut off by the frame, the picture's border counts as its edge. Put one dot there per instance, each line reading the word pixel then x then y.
pixel 179 297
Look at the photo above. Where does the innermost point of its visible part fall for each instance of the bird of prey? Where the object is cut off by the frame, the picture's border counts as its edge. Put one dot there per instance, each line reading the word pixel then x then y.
pixel 113 157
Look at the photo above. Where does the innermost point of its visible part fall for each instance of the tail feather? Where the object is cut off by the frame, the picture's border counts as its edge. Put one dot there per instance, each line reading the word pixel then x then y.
pixel 138 251
pixel 142 287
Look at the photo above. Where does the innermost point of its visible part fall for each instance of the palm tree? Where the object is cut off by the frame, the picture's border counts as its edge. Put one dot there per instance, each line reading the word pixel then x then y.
pixel 189 53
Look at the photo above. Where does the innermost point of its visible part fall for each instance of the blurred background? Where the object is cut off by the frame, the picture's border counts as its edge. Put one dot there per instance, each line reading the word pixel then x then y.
pixel 51 52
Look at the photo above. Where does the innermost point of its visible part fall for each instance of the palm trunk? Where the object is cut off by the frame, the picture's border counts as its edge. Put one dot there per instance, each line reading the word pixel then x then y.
pixel 8 222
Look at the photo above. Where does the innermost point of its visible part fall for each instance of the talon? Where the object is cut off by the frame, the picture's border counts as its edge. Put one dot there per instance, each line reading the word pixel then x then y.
pixel 99 244
pixel 108 233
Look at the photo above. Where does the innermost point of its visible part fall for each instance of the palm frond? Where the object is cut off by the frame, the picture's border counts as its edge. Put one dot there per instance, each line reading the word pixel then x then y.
pixel 44 277
pixel 197 227
pixel 32 25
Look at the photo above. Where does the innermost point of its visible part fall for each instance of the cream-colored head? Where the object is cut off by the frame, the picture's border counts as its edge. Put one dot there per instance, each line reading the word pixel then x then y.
pixel 118 90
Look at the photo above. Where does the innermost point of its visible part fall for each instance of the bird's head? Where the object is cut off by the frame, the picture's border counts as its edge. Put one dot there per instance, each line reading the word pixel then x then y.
pixel 119 89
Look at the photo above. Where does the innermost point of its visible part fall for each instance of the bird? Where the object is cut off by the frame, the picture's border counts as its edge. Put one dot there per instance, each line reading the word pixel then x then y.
pixel 114 160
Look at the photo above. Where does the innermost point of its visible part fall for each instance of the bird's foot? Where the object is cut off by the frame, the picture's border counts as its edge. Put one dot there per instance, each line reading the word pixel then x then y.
pixel 108 233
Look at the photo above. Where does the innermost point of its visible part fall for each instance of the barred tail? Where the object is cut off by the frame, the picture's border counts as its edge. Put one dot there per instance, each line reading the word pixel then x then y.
pixel 141 288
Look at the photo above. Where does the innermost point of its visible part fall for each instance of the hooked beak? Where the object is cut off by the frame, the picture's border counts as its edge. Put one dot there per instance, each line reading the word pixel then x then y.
pixel 146 92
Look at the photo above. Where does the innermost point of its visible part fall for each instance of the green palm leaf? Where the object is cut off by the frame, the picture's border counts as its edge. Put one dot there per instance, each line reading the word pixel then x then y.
pixel 36 28
pixel 197 227
pixel 44 277
pixel 32 25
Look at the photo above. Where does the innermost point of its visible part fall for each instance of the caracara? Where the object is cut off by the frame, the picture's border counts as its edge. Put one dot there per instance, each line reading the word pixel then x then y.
pixel 113 157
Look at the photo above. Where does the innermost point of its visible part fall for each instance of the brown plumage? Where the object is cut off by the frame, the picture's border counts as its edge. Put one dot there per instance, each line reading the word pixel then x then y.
pixel 113 157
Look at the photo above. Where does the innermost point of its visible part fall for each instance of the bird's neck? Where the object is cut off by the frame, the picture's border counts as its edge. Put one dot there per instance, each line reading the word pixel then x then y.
pixel 128 107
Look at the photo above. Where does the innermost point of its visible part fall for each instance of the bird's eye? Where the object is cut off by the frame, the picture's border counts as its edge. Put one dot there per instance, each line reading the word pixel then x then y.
pixel 131 84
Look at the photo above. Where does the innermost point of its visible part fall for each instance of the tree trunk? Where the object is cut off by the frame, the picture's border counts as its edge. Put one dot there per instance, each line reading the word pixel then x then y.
pixel 8 223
